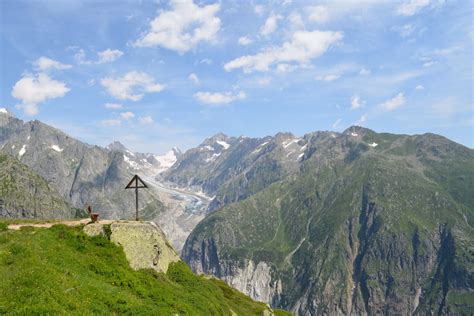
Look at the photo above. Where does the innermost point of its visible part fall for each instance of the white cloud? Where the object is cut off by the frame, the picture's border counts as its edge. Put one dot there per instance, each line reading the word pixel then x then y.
pixel 33 90
pixel 356 102
pixel 45 64
pixel 412 7
pixel 419 87
pixel 113 106
pixel 145 120
pixel 218 97
pixel 80 57
pixel 319 14
pixel 302 47
pixel 108 56
pixel 112 122
pixel 283 68
pixel 336 123
pixel 206 61
pixel 131 86
pixel 183 27
pixel 270 25
pixel 329 77
pixel 364 72
pixel 429 63
pixel 296 21
pixel 125 116
pixel 393 103
pixel 259 9
pixel 194 78
pixel 244 40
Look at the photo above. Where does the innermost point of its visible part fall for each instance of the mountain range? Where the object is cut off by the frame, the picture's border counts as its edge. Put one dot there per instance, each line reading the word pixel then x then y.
pixel 355 222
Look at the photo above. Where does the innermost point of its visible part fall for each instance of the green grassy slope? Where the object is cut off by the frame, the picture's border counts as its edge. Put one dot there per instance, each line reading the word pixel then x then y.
pixel 63 271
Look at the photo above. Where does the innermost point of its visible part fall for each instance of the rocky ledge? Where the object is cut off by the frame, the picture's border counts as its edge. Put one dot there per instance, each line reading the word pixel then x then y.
pixel 144 243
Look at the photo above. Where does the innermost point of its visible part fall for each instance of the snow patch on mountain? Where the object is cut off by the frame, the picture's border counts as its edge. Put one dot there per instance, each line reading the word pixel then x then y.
pixel 207 147
pixel 130 162
pixel 167 160
pixel 259 148
pixel 22 151
pixel 213 157
pixel 223 144
pixel 56 148
pixel 289 143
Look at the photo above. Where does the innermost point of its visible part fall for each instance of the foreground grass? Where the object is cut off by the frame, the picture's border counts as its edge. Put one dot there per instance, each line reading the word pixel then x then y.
pixel 62 271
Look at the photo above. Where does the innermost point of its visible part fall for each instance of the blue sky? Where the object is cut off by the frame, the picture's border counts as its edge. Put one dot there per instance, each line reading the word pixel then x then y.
pixel 158 74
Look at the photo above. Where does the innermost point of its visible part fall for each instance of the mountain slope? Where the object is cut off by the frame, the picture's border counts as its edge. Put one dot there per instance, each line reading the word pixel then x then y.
pixel 231 169
pixel 63 271
pixel 81 173
pixel 24 194
pixel 371 223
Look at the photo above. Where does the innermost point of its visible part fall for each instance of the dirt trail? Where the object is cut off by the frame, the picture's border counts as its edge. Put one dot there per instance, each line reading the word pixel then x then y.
pixel 48 225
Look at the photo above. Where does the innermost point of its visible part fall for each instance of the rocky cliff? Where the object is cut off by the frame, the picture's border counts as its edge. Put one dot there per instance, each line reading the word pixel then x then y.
pixel 369 224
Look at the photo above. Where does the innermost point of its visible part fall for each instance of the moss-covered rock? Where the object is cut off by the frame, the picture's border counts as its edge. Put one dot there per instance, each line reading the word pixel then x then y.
pixel 144 243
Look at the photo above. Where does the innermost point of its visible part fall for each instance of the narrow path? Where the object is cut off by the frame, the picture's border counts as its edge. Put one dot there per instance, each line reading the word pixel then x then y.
pixel 49 225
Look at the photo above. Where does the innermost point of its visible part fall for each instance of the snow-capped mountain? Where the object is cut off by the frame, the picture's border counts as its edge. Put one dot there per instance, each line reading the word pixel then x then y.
pixel 146 163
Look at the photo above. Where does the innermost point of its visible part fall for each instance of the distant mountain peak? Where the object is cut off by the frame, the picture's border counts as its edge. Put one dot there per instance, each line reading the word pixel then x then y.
pixel 116 146
pixel 357 130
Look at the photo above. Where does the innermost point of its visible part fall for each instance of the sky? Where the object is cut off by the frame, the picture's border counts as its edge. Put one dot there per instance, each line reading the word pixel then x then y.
pixel 159 74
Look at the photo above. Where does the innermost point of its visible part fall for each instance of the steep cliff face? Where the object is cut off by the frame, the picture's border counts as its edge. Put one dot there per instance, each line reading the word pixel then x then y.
pixel 370 225
pixel 24 194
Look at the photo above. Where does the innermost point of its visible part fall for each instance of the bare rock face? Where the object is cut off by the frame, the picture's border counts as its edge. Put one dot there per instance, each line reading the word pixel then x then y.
pixel 144 243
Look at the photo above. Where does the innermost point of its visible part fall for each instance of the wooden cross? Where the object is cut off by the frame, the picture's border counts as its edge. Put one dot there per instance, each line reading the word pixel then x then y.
pixel 136 183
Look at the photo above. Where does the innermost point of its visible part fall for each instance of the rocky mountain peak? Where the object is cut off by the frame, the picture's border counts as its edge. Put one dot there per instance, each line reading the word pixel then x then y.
pixel 116 146
pixel 359 130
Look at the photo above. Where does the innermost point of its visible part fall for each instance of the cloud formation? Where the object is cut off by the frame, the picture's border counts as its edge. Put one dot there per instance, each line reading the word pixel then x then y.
pixel 245 40
pixel 194 78
pixel 329 77
pixel 113 106
pixel 412 7
pixel 318 14
pixel 45 64
pixel 132 86
pixel 393 103
pixel 270 25
pixel 302 47
pixel 108 55
pixel 125 116
pixel 145 120
pixel 183 27
pixel 218 97
pixel 33 90
pixel 356 102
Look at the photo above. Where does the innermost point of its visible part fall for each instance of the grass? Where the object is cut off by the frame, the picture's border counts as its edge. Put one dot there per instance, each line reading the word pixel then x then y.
pixel 63 271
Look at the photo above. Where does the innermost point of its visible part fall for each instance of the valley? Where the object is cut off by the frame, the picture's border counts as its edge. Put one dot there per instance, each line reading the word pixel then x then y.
pixel 356 222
